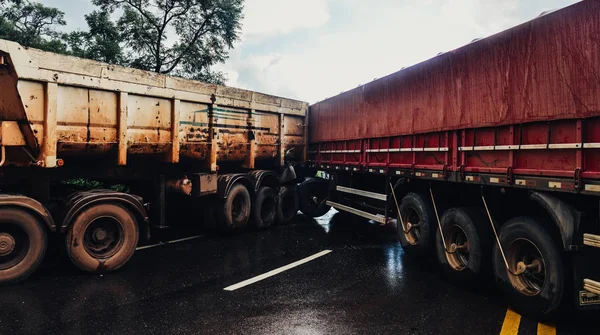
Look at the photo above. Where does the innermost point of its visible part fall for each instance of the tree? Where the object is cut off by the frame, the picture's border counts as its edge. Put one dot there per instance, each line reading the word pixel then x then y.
pixel 179 37
pixel 32 24
pixel 101 42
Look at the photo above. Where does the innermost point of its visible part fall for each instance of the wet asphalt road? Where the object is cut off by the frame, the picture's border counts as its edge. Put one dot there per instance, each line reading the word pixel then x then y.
pixel 366 285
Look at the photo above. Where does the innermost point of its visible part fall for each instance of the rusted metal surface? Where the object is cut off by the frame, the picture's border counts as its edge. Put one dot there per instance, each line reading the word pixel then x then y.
pixel 11 106
pixel 75 107
pixel 545 69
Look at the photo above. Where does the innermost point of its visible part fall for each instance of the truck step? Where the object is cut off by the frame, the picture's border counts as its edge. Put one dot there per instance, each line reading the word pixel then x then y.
pixel 591 286
pixel 591 240
pixel 377 218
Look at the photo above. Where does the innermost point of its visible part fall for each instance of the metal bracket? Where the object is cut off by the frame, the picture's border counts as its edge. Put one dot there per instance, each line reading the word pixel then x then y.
pixel 577 182
pixel 509 175
pixel 445 171
pixel 461 172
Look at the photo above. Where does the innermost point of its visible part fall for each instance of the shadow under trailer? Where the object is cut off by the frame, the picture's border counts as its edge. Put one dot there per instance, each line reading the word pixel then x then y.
pixel 487 157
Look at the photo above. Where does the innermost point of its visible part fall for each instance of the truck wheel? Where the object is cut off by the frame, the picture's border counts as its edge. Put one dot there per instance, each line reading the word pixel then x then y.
pixel 466 238
pixel 313 194
pixel 234 212
pixel 265 208
pixel 102 238
pixel 287 204
pixel 419 219
pixel 539 290
pixel 23 244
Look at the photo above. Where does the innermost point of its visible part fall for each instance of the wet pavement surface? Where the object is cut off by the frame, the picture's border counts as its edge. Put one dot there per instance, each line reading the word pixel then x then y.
pixel 366 285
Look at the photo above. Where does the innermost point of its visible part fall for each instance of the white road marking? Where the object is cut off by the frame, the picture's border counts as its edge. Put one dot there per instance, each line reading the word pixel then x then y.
pixel 168 242
pixel 276 271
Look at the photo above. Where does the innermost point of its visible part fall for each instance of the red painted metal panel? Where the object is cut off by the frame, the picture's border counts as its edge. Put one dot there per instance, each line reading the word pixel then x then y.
pixel 545 69
pixel 523 102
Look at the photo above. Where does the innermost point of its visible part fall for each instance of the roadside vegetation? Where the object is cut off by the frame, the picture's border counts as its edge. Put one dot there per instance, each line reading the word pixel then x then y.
pixel 185 38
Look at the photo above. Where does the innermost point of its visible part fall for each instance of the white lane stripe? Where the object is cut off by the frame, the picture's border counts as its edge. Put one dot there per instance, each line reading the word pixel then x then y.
pixel 276 271
pixel 168 242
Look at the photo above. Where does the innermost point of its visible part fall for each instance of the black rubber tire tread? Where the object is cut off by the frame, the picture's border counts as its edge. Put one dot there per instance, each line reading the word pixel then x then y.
pixel 305 192
pixel 264 220
pixel 475 225
pixel 546 304
pixel 422 205
pixel 286 210
pixel 38 242
pixel 227 223
pixel 75 236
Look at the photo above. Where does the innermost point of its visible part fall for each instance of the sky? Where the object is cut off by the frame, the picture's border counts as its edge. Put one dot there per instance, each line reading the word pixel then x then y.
pixel 314 49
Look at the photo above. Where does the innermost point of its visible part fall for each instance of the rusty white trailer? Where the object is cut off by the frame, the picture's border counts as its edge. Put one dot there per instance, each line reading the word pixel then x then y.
pixel 64 118
pixel 511 121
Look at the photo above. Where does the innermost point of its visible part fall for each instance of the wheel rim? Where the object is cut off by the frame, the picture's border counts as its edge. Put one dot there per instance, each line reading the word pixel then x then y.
pixel 237 208
pixel 14 245
pixel 458 243
pixel 532 280
pixel 267 209
pixel 413 220
pixel 103 237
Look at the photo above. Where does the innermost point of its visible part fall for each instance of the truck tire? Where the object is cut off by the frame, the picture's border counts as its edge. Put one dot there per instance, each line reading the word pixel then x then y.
pixel 264 211
pixel 538 292
pixel 416 209
pixel 287 204
pixel 464 227
pixel 23 243
pixel 313 194
pixel 234 212
pixel 102 238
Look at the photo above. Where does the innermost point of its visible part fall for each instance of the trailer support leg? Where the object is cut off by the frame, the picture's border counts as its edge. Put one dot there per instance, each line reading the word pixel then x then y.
pixel 398 210
pixel 440 223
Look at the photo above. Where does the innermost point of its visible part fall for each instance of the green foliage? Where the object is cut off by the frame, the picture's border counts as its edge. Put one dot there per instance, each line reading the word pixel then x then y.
pixel 101 42
pixel 32 24
pixel 179 37
pixel 86 184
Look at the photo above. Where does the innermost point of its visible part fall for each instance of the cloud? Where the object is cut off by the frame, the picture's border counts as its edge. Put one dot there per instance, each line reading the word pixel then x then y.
pixel 357 41
pixel 313 49
pixel 265 18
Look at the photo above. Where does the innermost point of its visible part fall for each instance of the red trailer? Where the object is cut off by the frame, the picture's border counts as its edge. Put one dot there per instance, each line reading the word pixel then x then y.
pixel 495 144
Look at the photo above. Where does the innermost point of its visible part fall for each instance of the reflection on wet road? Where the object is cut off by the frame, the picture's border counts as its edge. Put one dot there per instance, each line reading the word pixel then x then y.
pixel 366 285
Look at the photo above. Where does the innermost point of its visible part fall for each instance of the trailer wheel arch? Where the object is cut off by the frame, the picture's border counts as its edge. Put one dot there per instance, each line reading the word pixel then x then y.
pixel 226 182
pixel 82 200
pixel 564 217
pixel 262 178
pixel 32 206
pixel 401 187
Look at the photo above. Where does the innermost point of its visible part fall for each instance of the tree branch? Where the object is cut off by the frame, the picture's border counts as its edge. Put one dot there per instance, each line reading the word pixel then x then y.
pixel 190 44
pixel 142 12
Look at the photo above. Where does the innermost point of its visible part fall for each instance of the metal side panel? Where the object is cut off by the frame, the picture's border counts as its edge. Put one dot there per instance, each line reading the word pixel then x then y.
pixel 376 218
pixel 372 195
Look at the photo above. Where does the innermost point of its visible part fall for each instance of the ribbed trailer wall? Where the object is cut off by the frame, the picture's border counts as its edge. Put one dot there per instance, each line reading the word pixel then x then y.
pixel 69 109
pixel 545 69
pixel 524 102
